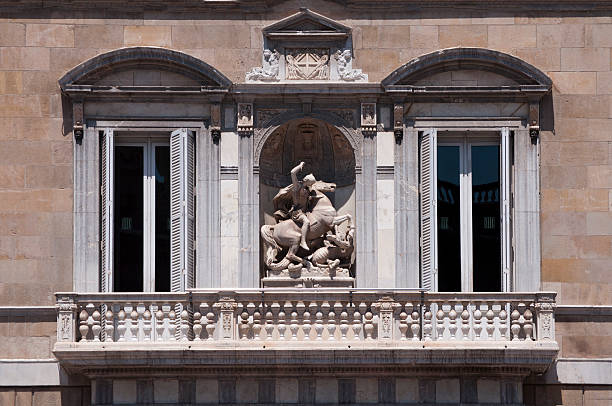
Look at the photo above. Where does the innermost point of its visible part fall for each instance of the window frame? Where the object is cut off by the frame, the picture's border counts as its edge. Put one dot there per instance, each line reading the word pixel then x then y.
pixel 88 264
pixel 521 266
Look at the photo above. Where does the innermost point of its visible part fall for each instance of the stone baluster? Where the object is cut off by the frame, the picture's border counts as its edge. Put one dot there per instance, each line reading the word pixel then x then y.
pixel 415 326
pixel 528 327
pixel 306 326
pixel 282 327
pixel 319 324
pixel 243 328
pixel 184 325
pixel 368 327
pixel 490 327
pixel 211 325
pixel 477 322
pixel 503 323
pixel 440 316
pixel 256 325
pixel 465 321
pixel 96 326
pixel 325 309
pixel 452 317
pixel 269 327
pixel 331 325
pixel 403 324
pixel 171 325
pixel 344 323
pixel 109 327
pixel 197 326
pixel 427 323
pixel 121 325
pixel 295 325
pixel 515 326
pixel 159 324
pixel 133 325
pixel 83 325
pixel 357 324
pixel 146 325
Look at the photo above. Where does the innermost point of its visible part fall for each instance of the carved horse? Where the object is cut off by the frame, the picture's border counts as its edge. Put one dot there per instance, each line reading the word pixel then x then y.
pixel 287 234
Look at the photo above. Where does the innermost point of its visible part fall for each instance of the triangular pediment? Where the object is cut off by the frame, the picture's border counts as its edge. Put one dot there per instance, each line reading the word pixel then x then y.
pixel 306 24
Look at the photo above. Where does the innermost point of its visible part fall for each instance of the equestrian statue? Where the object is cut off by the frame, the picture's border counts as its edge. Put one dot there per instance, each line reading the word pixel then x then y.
pixel 306 232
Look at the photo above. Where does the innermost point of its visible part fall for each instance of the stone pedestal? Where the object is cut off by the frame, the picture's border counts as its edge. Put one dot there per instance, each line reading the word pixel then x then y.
pixel 313 277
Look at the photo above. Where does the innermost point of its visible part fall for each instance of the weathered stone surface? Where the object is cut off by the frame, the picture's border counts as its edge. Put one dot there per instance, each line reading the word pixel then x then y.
pixel 462 35
pixel 521 37
pixel 147 35
pixel 585 59
pixel 50 35
pixel 574 82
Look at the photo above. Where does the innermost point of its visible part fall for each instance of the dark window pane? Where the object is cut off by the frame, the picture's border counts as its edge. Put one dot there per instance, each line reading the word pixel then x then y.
pixel 449 233
pixel 162 219
pixel 486 218
pixel 128 221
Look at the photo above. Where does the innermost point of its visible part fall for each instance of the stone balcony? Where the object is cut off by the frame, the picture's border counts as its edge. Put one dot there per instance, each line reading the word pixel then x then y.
pixel 271 330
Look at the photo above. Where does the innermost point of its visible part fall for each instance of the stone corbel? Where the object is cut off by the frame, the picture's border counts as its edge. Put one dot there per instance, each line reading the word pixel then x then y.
pixel 66 318
pixel 215 122
pixel 227 307
pixel 534 118
pixel 77 120
pixel 398 122
pixel 368 118
pixel 245 119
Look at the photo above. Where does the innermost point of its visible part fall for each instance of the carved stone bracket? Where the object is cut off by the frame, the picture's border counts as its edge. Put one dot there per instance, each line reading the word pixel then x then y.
pixel 398 122
pixel 245 119
pixel 77 119
pixel 66 317
pixel 534 118
pixel 368 117
pixel 215 122
pixel 226 306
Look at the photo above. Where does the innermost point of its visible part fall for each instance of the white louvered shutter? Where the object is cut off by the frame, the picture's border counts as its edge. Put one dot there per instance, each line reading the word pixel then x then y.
pixel 182 210
pixel 428 194
pixel 107 153
pixel 506 238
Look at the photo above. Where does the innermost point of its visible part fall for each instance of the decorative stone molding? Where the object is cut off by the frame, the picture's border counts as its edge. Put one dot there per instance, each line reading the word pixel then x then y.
pixel 66 317
pixel 226 307
pixel 245 119
pixel 345 114
pixel 344 60
pixel 264 116
pixel 368 117
pixel 269 70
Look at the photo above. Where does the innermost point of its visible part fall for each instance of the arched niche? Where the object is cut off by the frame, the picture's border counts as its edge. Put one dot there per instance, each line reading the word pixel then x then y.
pixel 327 153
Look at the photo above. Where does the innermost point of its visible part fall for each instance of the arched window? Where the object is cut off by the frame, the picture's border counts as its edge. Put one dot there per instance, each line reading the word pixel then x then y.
pixel 473 119
pixel 138 115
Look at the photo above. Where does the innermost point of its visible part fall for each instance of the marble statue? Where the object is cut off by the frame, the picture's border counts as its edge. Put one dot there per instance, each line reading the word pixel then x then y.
pixel 306 235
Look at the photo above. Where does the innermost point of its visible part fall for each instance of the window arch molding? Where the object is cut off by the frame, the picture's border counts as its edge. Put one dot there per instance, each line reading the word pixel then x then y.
pixel 468 58
pixel 134 57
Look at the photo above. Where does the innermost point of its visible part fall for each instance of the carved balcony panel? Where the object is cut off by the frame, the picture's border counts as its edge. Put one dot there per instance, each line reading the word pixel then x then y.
pixel 251 327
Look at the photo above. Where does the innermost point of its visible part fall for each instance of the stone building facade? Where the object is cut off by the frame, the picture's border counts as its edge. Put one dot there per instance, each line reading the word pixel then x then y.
pixel 394 101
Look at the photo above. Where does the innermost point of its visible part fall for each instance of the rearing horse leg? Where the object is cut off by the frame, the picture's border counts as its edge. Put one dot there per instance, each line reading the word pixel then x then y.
pixel 291 254
pixel 341 219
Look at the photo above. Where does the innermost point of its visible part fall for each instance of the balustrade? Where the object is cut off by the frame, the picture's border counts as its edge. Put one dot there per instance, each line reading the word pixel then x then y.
pixel 337 316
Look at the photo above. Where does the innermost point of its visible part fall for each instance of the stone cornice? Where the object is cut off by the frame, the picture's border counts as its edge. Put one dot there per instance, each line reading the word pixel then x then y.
pixel 260 6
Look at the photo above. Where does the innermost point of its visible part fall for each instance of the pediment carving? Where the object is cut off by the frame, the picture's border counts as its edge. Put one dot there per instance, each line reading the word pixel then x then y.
pixel 307 25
